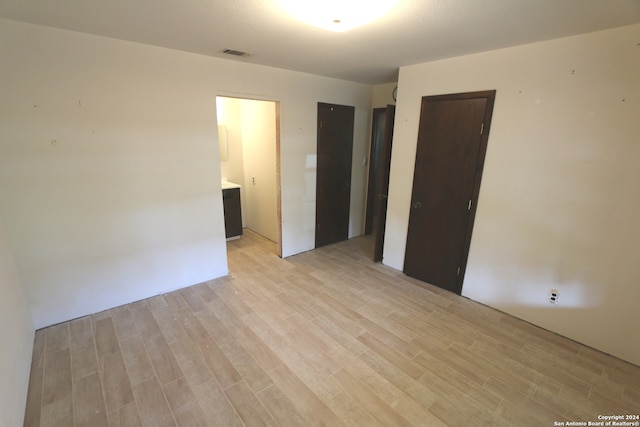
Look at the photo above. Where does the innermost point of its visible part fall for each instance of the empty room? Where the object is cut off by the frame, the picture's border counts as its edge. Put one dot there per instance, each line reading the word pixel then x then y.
pixel 381 213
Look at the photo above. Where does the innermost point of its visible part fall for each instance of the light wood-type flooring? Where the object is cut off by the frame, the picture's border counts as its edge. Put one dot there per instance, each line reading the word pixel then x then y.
pixel 321 338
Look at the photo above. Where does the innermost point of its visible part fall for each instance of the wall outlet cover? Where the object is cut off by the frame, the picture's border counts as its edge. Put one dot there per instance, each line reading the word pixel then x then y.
pixel 554 294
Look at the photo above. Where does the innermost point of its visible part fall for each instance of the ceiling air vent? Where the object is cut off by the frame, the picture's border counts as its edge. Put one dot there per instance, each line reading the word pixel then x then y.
pixel 234 52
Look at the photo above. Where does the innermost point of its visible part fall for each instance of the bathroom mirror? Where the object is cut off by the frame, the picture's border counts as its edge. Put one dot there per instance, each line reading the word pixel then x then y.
pixel 222 141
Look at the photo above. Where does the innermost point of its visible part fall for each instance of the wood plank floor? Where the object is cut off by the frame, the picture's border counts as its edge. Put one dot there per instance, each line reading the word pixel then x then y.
pixel 322 338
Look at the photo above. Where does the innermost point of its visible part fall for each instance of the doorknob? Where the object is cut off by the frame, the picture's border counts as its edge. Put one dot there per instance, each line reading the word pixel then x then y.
pixel 382 196
pixel 416 205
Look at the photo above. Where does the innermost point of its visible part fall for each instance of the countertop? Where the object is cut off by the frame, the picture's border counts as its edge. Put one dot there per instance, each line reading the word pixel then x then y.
pixel 229 185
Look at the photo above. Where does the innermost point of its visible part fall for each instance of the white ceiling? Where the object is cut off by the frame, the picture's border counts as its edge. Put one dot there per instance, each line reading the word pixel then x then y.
pixel 414 31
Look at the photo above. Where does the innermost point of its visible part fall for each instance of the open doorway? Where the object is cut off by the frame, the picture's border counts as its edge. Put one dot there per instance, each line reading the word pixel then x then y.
pixel 249 136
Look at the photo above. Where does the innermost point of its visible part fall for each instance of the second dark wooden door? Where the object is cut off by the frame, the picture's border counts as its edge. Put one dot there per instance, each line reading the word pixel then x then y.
pixel 333 181
pixel 452 140
pixel 378 122
pixel 383 184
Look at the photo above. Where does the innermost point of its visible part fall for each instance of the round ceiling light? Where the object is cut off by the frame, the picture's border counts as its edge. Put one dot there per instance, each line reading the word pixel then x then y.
pixel 337 15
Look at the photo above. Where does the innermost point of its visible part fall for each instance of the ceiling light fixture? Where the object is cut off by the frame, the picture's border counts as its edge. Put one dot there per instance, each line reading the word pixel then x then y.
pixel 337 15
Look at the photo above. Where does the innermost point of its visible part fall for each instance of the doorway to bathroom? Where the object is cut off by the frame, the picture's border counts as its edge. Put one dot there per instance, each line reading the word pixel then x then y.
pixel 249 137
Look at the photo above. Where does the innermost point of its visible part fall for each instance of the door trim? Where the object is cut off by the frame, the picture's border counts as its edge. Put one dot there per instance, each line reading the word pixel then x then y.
pixel 278 183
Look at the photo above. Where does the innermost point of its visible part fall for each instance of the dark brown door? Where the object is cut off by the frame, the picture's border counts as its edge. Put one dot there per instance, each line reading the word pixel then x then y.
pixel 333 181
pixel 452 141
pixel 383 184
pixel 378 119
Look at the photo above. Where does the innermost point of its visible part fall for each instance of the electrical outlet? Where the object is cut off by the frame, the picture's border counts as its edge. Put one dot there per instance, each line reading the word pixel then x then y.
pixel 554 294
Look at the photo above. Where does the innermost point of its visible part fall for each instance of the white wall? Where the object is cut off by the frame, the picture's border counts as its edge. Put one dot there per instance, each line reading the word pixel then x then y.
pixel 127 203
pixel 232 169
pixel 16 336
pixel 260 172
pixel 558 205
pixel 228 114
pixel 382 95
